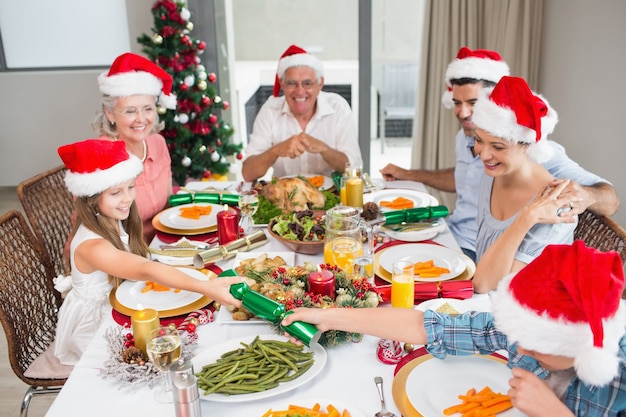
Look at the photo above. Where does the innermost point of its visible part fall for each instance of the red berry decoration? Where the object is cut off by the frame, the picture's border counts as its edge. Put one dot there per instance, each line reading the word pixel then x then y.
pixel 226 105
pixel 183 87
pixel 239 156
pixel 206 174
pixel 212 118
pixel 191 328
pixel 201 45
pixel 212 77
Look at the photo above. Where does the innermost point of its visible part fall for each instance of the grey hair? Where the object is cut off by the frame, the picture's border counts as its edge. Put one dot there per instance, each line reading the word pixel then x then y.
pixel 104 127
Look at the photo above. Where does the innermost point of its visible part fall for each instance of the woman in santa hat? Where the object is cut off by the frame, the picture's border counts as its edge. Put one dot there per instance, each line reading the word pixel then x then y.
pixel 519 206
pixel 107 244
pixel 131 89
pixel 561 319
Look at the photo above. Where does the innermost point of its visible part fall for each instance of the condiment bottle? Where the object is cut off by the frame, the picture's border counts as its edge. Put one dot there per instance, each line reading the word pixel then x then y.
pixel 185 389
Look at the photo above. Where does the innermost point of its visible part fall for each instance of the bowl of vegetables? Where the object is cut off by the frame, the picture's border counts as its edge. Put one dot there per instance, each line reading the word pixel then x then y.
pixel 301 231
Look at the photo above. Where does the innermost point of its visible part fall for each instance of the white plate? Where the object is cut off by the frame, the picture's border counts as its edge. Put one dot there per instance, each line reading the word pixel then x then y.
pixel 415 236
pixel 479 302
pixel 212 354
pixel 324 402
pixel 177 260
pixel 171 217
pixel 328 182
pixel 434 384
pixel 419 198
pixel 420 252
pixel 130 296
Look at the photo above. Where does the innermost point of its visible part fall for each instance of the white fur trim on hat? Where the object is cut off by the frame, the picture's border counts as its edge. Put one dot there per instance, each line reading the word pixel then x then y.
pixel 477 68
pixel 300 60
pixel 130 84
pixel 544 334
pixel 92 183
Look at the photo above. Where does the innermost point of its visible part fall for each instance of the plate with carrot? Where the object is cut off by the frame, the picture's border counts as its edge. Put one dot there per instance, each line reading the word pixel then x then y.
pixel 396 199
pixel 431 262
pixel 321 407
pixel 190 216
pixel 454 386
pixel 150 294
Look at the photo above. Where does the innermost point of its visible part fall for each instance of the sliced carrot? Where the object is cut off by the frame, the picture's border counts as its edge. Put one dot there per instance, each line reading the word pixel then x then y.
pixel 484 403
pixel 195 212
pixel 316 180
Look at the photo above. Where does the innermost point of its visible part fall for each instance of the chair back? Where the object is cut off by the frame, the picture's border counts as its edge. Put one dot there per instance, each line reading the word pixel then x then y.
pixel 28 301
pixel 49 206
pixel 601 232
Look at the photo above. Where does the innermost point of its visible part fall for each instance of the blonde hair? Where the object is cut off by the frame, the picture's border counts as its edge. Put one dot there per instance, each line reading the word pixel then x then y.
pixel 88 214
pixel 103 127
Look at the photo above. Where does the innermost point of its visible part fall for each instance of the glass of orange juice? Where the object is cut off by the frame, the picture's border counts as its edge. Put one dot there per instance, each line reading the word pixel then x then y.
pixel 342 191
pixel 402 284
pixel 344 251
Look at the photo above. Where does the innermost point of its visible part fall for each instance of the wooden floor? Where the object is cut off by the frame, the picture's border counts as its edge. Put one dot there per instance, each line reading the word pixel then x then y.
pixel 12 389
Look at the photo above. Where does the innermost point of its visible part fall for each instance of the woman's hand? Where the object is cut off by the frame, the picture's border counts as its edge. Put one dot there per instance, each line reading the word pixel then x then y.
pixel 219 290
pixel 546 208
pixel 532 396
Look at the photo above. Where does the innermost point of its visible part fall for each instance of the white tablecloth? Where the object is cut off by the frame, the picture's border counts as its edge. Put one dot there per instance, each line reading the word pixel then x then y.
pixel 348 375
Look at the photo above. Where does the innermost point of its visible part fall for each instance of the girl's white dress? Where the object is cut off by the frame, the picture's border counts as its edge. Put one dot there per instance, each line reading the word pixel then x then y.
pixel 83 308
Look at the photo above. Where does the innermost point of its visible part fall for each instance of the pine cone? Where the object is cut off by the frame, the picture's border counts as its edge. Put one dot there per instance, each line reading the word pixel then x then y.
pixel 370 211
pixel 133 355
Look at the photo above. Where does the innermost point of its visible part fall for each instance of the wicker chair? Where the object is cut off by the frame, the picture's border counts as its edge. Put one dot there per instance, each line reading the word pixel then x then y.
pixel 28 308
pixel 49 206
pixel 601 232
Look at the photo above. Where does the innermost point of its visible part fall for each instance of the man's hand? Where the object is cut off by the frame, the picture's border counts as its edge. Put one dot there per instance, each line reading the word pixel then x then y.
pixel 393 172
pixel 532 396
pixel 292 147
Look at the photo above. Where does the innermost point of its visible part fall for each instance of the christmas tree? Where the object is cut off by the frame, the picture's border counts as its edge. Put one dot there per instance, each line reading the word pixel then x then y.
pixel 199 140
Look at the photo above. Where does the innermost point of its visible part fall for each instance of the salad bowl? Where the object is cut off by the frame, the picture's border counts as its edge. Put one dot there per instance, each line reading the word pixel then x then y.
pixel 308 247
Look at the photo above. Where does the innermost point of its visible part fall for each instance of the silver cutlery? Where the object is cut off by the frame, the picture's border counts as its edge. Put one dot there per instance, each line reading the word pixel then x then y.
pixel 409 227
pixel 383 409
pixel 194 247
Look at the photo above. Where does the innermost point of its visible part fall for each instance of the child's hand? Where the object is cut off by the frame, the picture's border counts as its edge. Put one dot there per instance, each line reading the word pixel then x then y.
pixel 532 395
pixel 219 290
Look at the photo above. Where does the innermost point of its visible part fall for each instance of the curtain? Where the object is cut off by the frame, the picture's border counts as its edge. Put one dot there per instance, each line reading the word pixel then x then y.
pixel 510 27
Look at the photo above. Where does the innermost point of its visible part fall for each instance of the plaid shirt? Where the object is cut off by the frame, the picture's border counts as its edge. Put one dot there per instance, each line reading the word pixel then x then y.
pixel 475 333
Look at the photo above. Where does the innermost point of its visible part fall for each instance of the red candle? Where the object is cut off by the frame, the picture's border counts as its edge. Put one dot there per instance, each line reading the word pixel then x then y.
pixel 227 225
pixel 322 282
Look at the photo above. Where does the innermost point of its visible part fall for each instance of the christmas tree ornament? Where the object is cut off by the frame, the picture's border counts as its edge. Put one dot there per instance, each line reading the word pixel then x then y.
pixel 183 118
pixel 202 148
pixel 157 39
pixel 183 87
pixel 201 45
pixel 240 156
pixel 186 161
pixel 200 68
pixel 226 105
pixel 212 118
pixel 189 26
pixel 206 174
pixel 202 85
pixel 202 75
pixel 185 14
pixel 206 100
pixel 215 156
pixel 161 110
pixel 190 80
pixel 212 77
pixel 223 160
pixel 217 99
pixel 184 40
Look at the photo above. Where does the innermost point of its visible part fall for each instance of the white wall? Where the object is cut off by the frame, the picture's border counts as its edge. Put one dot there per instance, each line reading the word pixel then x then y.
pixel 583 75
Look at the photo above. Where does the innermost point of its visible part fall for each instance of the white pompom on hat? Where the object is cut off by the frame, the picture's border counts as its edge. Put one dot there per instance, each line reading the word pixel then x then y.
pixel 95 165
pixel 478 64
pixel 295 56
pixel 131 74
pixel 513 112
pixel 567 302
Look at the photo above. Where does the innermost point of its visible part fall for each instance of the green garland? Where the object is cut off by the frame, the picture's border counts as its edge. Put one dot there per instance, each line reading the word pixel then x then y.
pixel 289 286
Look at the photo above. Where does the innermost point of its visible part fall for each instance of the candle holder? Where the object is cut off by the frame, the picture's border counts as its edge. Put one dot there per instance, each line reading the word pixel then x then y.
pixel 322 282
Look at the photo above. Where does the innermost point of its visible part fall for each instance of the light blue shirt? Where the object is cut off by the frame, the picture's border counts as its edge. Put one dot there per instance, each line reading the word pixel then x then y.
pixel 468 171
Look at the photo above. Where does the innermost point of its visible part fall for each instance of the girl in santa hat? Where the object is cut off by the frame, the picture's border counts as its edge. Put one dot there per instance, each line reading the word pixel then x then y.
pixel 561 319
pixel 108 245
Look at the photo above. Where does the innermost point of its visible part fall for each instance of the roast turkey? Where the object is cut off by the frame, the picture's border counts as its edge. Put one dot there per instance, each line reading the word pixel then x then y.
pixel 293 194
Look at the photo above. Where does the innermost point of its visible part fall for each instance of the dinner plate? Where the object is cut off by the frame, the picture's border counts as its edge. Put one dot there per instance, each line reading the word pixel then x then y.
pixel 208 187
pixel 129 294
pixel 323 402
pixel 417 235
pixel 380 272
pixel 426 386
pixel 327 185
pixel 212 354
pixel 183 257
pixel 171 217
pixel 420 252
pixel 479 302
pixel 156 223
pixel 419 198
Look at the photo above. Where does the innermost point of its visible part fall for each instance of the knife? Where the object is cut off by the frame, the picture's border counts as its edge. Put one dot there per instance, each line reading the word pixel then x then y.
pixel 410 227
pixel 174 247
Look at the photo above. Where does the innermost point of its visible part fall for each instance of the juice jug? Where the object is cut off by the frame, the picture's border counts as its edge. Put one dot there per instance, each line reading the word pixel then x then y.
pixel 346 222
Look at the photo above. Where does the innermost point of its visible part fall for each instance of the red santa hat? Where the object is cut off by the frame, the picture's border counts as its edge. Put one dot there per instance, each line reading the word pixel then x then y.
pixel 567 302
pixel 95 165
pixel 513 112
pixel 295 56
pixel 479 64
pixel 132 75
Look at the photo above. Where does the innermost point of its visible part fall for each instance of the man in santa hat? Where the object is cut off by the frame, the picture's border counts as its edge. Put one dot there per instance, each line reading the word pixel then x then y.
pixel 466 76
pixel 306 130
pixel 561 319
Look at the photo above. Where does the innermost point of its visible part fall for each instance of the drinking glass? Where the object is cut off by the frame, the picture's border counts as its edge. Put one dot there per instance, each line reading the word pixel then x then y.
pixel 344 250
pixel 163 348
pixel 248 204
pixel 402 284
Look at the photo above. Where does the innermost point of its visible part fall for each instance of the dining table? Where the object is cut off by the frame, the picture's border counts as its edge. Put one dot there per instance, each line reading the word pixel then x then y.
pixel 346 378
